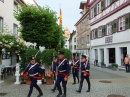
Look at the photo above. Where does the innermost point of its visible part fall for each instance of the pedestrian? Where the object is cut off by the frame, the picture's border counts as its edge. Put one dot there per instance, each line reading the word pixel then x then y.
pixel 126 62
pixel 53 70
pixel 75 69
pixel 85 67
pixel 63 73
pixel 33 70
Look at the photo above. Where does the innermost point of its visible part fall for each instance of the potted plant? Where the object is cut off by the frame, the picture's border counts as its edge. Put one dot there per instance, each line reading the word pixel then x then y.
pixel 26 77
pixel 49 79
pixel 114 66
pixel 103 65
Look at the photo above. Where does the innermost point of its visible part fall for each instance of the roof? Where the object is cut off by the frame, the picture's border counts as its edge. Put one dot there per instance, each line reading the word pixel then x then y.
pixel 72 34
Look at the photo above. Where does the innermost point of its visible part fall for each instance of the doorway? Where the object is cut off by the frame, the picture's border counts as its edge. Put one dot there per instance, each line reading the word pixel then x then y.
pixel 112 55
pixel 123 54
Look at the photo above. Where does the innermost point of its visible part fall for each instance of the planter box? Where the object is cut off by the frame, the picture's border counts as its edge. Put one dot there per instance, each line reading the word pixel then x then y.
pixel 49 81
pixel 103 66
pixel 114 68
pixel 28 82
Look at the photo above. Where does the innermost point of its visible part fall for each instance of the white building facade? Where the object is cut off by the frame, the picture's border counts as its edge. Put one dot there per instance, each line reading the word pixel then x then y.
pixel 72 42
pixel 7 21
pixel 110 30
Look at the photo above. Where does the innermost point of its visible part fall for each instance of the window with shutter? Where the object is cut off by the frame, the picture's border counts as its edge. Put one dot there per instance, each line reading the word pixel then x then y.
pixel 103 30
pixel 95 10
pixel 96 33
pixel 122 23
pixel 127 21
pixel 114 26
pixel 102 5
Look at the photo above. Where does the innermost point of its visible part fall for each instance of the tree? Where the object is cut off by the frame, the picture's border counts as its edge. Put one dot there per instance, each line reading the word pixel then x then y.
pixel 67 53
pixel 39 25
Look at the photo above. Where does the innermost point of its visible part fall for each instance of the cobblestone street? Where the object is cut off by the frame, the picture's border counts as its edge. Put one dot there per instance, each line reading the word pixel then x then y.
pixel 120 85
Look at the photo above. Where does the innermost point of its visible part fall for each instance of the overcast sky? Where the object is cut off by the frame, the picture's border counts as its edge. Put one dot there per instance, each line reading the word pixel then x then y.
pixel 70 10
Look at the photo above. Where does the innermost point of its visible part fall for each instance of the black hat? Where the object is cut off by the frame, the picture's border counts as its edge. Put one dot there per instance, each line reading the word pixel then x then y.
pixel 55 57
pixel 84 56
pixel 32 57
pixel 76 55
pixel 61 53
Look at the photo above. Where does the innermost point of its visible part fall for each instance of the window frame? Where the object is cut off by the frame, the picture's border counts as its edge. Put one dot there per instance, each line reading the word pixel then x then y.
pixel 93 34
pixel 100 29
pixel 1 24
pixel 108 28
pixel 15 33
pixel 106 3
pixel 98 9
pixel 92 12
pixel 120 28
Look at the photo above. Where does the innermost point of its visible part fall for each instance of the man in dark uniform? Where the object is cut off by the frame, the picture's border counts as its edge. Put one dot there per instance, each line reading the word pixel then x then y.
pixel 75 68
pixel 53 70
pixel 33 69
pixel 63 73
pixel 85 67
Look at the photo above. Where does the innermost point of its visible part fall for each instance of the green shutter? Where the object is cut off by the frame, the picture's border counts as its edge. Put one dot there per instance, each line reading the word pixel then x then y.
pixel 96 33
pixel 91 35
pixel 103 30
pixel 95 10
pixel 102 5
pixel 112 1
pixel 114 26
pixel 127 21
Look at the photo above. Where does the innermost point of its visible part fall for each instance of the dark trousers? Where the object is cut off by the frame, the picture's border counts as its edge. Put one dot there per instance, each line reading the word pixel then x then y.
pixel 75 74
pixel 87 79
pixel 127 66
pixel 34 84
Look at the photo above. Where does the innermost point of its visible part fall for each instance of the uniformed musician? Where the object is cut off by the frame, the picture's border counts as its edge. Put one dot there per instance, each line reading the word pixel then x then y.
pixel 85 67
pixel 75 68
pixel 33 70
pixel 63 73
pixel 53 70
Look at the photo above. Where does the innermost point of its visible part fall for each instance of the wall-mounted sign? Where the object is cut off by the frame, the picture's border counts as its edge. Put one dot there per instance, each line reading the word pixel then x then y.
pixel 109 39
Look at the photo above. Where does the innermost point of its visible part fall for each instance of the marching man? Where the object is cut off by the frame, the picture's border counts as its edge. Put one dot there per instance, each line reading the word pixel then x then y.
pixel 75 68
pixel 63 73
pixel 33 69
pixel 53 70
pixel 85 67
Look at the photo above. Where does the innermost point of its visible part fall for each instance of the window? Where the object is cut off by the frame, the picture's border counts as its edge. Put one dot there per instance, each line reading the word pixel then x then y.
pixel 122 23
pixel 15 7
pixel 109 29
pixel 100 32
pixel 74 39
pixel 88 39
pixel 2 1
pixel 98 7
pixel 107 3
pixel 75 47
pixel 15 30
pixel 6 55
pixel 82 40
pixel 1 25
pixel 93 34
pixel 92 12
pixel 66 46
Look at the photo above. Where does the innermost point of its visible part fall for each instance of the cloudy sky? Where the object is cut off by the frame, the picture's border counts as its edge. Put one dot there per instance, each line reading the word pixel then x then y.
pixel 70 10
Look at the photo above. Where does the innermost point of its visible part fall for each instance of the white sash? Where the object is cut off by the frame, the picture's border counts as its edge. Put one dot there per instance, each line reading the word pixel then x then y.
pixel 76 62
pixel 32 66
pixel 61 63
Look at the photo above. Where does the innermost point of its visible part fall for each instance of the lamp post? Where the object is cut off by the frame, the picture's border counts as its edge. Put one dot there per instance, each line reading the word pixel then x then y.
pixel 17 73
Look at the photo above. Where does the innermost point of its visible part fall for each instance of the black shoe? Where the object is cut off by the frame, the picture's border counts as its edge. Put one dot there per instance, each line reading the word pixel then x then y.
pixel 58 95
pixel 41 94
pixel 88 91
pixel 63 95
pixel 53 90
pixel 79 91
pixel 73 83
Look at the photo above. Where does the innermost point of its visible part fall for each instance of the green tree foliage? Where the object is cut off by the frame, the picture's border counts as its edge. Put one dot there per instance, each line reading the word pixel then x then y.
pixel 39 25
pixel 67 53
pixel 48 56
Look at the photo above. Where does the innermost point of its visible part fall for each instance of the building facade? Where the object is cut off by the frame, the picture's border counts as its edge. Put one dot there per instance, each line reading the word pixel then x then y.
pixel 110 27
pixel 72 42
pixel 83 30
pixel 7 21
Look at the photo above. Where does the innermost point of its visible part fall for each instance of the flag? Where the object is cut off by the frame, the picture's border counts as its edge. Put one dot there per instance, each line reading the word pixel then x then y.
pixel 60 17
